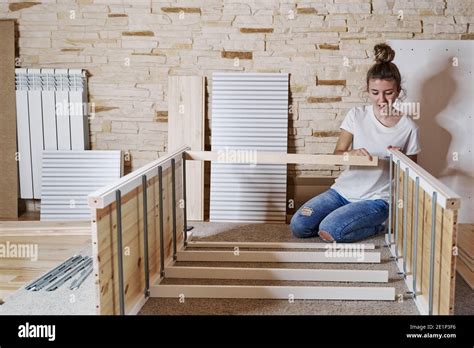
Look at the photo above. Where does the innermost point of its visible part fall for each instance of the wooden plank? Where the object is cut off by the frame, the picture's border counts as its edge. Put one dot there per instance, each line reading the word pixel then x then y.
pixel 446 197
pixel 8 142
pixel 279 256
pixel 330 275
pixel 425 274
pixel 420 239
pixel 466 238
pixel 186 116
pixel 274 292
pixel 410 230
pixel 465 273
pixel 399 215
pixel 41 226
pixel 104 224
pixel 262 157
pixel 449 259
pixel 275 245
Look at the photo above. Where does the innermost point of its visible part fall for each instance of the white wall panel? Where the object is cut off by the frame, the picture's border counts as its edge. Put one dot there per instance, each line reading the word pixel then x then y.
pixel 249 112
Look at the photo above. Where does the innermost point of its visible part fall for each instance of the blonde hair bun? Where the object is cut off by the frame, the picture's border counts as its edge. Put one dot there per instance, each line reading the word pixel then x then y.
pixel 383 53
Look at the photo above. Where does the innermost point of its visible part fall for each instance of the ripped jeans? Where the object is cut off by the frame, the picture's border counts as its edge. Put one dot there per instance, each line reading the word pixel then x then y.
pixel 345 221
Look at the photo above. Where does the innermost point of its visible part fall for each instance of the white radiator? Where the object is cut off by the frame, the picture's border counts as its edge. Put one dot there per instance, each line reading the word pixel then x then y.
pixel 249 112
pixel 69 176
pixel 51 115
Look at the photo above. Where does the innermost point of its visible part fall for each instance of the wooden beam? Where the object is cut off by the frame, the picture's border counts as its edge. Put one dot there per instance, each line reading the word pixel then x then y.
pixel 328 275
pixel 260 157
pixel 279 256
pixel 274 292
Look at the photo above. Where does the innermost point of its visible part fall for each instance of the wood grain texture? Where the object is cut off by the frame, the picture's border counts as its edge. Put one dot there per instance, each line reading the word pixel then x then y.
pixel 104 232
pixel 56 242
pixel 186 115
pixel 8 145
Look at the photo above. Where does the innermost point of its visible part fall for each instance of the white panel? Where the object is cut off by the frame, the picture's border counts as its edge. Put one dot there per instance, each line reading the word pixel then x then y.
pixel 62 110
pixel 65 185
pixel 23 135
pixel 438 74
pixel 78 116
pixel 42 101
pixel 36 129
pixel 48 96
pixel 249 112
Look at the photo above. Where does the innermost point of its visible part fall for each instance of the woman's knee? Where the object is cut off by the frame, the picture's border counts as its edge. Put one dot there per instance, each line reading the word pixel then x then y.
pixel 300 229
pixel 330 231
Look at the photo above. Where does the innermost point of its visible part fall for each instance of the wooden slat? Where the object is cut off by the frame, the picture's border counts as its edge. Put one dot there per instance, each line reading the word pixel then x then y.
pixel 274 292
pixel 465 273
pixel 421 239
pixel 186 115
pixel 275 245
pixel 8 142
pixel 449 259
pixel 278 256
pixel 334 275
pixel 262 157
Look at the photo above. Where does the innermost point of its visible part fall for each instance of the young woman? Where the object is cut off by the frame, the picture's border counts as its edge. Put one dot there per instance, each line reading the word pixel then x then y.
pixel 356 206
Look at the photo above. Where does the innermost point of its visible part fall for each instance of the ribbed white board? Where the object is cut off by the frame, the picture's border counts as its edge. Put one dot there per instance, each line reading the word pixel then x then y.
pixel 249 112
pixel 51 115
pixel 69 176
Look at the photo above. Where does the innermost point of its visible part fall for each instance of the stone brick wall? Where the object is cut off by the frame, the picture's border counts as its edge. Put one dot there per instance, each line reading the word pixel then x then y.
pixel 130 47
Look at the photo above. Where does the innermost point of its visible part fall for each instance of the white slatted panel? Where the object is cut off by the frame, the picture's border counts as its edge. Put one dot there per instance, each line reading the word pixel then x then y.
pixel 69 176
pixel 249 112
pixel 23 129
pixel 51 115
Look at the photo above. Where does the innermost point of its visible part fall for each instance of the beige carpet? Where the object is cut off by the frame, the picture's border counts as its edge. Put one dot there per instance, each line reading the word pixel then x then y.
pixel 279 233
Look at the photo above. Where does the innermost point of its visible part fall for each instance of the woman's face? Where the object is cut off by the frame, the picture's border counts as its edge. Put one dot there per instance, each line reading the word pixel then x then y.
pixel 382 93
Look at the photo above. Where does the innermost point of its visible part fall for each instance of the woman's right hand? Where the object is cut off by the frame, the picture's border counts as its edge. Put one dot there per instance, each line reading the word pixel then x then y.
pixel 360 152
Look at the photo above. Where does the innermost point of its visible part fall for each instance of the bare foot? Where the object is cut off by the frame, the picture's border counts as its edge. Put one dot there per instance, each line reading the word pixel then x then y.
pixel 325 236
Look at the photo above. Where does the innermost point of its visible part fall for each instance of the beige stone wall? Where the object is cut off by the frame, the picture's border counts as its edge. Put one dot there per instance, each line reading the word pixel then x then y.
pixel 130 47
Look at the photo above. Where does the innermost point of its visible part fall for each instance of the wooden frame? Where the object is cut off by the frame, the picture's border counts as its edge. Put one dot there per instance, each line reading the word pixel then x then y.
pixel 122 283
pixel 104 232
pixel 425 208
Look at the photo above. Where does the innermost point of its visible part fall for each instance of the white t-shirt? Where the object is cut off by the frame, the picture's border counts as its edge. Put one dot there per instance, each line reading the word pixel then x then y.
pixel 360 183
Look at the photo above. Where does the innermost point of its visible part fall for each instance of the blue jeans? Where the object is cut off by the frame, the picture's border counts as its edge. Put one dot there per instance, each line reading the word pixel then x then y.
pixel 344 221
